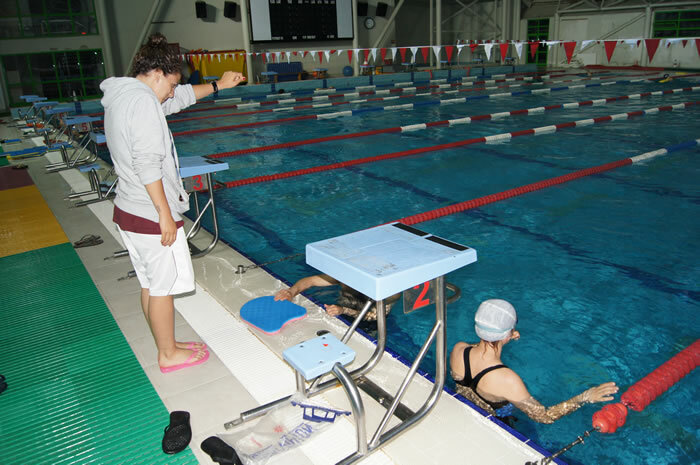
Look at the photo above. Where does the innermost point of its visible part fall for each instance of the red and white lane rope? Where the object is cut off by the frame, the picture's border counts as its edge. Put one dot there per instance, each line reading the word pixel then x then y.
pixel 407 106
pixel 481 201
pixel 431 124
pixel 434 148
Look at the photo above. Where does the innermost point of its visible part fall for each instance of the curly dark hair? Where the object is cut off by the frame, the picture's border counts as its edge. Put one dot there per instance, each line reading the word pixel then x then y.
pixel 155 54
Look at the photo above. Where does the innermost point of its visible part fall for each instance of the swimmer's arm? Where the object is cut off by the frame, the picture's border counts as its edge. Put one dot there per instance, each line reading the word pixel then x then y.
pixel 541 414
pixel 228 80
pixel 303 284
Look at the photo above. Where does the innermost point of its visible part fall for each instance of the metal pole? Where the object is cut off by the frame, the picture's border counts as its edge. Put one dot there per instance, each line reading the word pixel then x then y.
pixel 104 32
pixel 358 408
pixel 144 31
pixel 430 31
pixel 246 40
pixel 644 59
pixel 438 29
pixel 355 38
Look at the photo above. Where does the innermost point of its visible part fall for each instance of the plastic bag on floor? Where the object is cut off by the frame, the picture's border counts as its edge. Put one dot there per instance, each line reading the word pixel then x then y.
pixel 283 428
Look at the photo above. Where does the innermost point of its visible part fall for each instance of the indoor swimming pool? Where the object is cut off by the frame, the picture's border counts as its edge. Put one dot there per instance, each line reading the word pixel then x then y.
pixel 603 270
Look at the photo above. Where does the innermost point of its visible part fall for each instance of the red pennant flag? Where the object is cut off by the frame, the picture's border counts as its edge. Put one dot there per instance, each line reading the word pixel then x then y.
pixel 697 44
pixel 263 57
pixel 610 48
pixel 403 55
pixel 382 52
pixel 449 49
pixel 320 57
pixel 533 48
pixel 305 53
pixel 652 45
pixel 685 42
pixel 333 51
pixel 366 55
pixel 473 46
pixel 569 49
pixel 294 53
pixel 425 51
pixel 350 56
pixel 504 50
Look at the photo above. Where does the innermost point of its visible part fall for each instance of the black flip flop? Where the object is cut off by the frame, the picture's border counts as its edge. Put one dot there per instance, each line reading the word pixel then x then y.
pixel 220 452
pixel 3 384
pixel 87 240
pixel 178 433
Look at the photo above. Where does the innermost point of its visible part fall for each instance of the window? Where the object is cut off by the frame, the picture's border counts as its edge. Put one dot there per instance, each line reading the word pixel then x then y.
pixel 55 75
pixel 538 29
pixel 40 18
pixel 677 23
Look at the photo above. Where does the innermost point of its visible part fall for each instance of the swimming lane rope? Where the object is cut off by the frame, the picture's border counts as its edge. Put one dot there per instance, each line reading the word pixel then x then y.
pixel 409 91
pixel 407 106
pixel 639 395
pixel 481 201
pixel 434 148
pixel 428 125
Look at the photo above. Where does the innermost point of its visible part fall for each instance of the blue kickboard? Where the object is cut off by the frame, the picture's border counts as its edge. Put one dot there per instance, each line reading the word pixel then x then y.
pixel 270 315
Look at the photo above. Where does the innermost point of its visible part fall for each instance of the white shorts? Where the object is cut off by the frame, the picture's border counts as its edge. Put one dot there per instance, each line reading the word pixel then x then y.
pixel 162 270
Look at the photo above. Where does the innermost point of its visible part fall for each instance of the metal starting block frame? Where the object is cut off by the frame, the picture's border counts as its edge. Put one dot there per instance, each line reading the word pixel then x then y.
pixel 380 262
pixel 74 160
pixel 197 171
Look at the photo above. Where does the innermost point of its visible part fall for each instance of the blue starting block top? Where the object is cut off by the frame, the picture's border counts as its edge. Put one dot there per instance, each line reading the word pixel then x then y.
pixel 28 96
pixel 34 98
pixel 192 166
pixel 59 109
pixel 317 356
pixel 81 119
pixel 98 138
pixel 388 259
pixel 45 103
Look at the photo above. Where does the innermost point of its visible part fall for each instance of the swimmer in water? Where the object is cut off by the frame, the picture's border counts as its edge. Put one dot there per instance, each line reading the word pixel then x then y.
pixel 482 378
pixel 350 302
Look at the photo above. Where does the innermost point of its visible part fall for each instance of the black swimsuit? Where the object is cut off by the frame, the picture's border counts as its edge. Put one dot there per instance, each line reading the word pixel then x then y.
pixel 470 382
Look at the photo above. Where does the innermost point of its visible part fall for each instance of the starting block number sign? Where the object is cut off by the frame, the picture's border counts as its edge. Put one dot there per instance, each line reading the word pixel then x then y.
pixel 194 183
pixel 419 296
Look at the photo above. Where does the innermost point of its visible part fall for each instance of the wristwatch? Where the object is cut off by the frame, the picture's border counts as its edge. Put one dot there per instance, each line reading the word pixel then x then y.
pixel 216 87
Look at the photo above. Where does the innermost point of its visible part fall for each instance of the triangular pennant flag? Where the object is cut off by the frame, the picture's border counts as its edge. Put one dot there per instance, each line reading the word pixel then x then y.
pixel 366 53
pixel 374 55
pixel 533 48
pixel 504 50
pixel 630 42
pixel 638 42
pixel 331 52
pixel 697 45
pixel 295 53
pixel 382 53
pixel 610 48
pixel 218 56
pixel 402 51
pixel 306 52
pixel 685 42
pixel 320 57
pixel 328 54
pixel 519 49
pixel 459 49
pixel 289 56
pixel 652 45
pixel 473 46
pixel 436 51
pixel 313 55
pixel 424 51
pixel 586 43
pixel 569 49
pixel 340 52
pixel 350 56
pixel 487 49
pixel 449 49
pixel 277 56
pixel 414 50
pixel 263 57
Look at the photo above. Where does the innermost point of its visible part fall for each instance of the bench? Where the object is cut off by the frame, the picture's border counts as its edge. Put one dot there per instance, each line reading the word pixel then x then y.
pixel 287 71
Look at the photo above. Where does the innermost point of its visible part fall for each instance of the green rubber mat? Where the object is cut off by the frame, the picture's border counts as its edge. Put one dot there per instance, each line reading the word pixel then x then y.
pixel 76 393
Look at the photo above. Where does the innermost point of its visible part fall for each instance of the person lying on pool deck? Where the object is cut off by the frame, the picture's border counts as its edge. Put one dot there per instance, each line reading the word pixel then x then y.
pixel 350 302
pixel 484 380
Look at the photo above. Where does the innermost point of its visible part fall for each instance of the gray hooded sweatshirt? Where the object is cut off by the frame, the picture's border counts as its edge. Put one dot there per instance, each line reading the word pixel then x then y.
pixel 142 146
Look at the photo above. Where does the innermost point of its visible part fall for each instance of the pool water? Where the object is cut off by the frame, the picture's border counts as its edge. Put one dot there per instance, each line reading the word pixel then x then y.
pixel 603 270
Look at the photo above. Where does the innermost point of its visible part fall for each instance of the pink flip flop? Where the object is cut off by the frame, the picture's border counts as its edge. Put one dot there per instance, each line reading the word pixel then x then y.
pixel 191 345
pixel 190 362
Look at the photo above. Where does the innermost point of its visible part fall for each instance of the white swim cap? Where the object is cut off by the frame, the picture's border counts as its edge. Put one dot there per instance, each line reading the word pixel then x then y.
pixel 494 319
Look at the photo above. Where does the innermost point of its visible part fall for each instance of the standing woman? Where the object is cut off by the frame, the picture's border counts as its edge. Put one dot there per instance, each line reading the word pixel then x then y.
pixel 150 198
